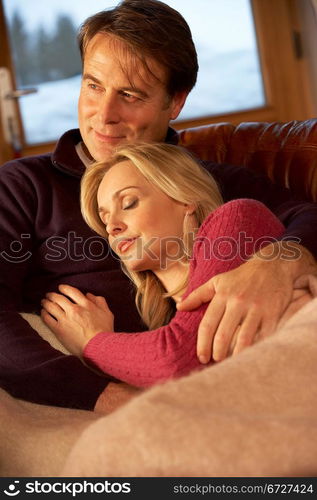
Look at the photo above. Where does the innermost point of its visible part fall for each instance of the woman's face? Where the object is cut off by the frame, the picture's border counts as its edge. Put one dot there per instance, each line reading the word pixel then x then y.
pixel 145 226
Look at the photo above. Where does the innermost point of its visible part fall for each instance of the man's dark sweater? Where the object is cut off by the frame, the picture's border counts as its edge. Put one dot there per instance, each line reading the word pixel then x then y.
pixel 45 242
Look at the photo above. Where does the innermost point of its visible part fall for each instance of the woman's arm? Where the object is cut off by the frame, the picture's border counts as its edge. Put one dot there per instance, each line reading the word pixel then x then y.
pixel 228 236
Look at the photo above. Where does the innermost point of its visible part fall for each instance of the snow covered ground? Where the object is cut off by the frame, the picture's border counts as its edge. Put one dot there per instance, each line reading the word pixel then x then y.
pixel 228 81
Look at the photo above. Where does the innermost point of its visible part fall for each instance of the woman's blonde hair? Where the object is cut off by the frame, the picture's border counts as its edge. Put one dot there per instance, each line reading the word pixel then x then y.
pixel 175 172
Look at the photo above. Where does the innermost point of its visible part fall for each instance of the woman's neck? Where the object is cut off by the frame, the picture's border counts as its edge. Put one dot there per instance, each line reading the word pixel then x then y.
pixel 174 277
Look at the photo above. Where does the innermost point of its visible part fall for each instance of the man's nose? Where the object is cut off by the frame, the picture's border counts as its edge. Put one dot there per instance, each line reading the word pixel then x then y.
pixel 108 111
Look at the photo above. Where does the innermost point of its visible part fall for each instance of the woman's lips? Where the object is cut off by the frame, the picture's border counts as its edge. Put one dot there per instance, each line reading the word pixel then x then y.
pixel 123 245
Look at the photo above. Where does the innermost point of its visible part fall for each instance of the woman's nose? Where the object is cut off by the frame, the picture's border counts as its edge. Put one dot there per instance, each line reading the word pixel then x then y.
pixel 115 227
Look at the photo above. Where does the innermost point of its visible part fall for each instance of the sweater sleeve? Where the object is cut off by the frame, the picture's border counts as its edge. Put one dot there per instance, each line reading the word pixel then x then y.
pixel 228 237
pixel 298 215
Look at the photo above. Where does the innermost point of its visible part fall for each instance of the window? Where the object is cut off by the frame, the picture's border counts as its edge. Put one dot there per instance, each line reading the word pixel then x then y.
pixel 45 55
pixel 249 70
pixel 229 77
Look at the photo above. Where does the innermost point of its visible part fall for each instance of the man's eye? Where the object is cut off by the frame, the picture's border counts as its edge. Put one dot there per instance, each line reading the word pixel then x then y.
pixel 129 97
pixel 93 86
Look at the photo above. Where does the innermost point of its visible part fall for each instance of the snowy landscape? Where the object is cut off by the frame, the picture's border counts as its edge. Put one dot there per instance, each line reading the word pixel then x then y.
pixel 45 55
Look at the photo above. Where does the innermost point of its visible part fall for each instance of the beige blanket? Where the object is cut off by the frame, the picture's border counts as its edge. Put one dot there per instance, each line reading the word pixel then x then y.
pixel 254 414
pixel 36 322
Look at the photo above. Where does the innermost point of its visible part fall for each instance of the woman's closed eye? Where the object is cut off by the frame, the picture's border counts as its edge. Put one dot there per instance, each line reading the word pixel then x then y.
pixel 130 204
pixel 126 205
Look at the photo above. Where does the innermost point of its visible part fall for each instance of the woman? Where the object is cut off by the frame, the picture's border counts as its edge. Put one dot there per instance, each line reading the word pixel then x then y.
pixel 164 218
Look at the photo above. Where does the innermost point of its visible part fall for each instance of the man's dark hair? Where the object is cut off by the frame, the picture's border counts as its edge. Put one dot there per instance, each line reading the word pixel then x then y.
pixel 149 28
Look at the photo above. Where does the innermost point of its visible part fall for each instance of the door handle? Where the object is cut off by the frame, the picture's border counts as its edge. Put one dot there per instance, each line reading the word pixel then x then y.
pixel 15 94
pixel 8 110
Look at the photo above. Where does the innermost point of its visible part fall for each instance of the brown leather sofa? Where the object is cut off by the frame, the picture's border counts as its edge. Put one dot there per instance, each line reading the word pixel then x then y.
pixel 286 152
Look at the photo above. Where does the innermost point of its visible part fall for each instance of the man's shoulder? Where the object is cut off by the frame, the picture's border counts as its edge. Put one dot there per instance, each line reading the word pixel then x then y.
pixel 63 157
pixel 26 163
pixel 224 169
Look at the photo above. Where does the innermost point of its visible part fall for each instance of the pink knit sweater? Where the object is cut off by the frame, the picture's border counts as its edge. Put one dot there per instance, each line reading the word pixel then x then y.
pixel 227 237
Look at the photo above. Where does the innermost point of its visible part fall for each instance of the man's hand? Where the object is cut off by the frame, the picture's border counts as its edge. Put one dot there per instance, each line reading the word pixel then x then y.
pixel 76 321
pixel 305 289
pixel 247 302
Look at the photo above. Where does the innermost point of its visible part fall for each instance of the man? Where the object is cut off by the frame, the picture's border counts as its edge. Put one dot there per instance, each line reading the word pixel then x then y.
pixel 139 64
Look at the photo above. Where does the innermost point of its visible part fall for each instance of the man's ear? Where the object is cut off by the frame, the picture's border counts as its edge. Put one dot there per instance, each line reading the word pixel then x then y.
pixel 177 103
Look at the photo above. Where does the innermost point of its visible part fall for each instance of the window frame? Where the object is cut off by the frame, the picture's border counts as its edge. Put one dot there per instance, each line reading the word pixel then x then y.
pixel 285 77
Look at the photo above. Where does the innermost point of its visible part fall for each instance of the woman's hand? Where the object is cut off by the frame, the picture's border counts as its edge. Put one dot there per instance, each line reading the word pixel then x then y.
pixel 76 321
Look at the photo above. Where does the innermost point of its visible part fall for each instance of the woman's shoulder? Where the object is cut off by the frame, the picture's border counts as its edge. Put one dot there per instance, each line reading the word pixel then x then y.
pixel 243 207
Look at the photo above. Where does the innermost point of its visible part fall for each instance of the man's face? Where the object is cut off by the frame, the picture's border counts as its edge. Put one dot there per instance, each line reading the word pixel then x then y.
pixel 115 109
